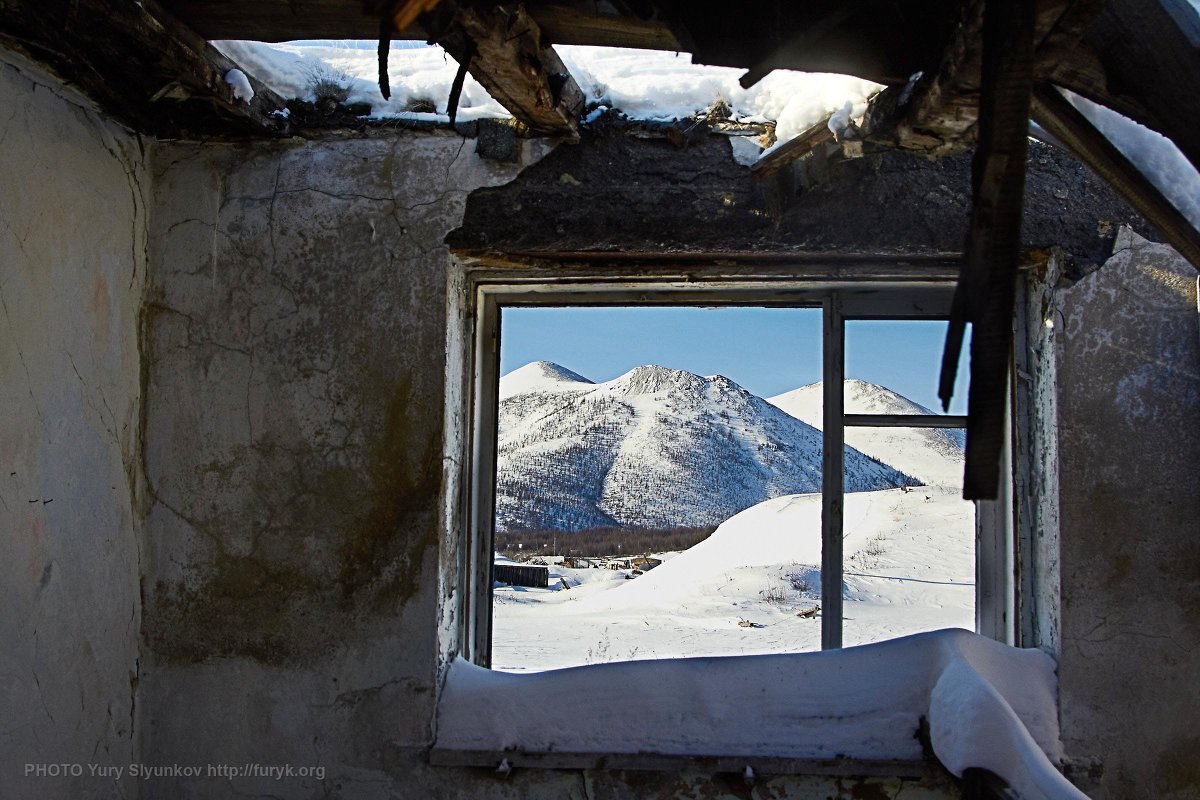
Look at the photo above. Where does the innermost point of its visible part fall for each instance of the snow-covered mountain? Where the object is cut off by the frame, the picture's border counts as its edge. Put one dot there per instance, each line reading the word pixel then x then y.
pixel 655 447
pixel 933 455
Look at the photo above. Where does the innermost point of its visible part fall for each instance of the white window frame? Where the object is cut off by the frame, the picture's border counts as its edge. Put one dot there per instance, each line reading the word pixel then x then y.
pixel 925 294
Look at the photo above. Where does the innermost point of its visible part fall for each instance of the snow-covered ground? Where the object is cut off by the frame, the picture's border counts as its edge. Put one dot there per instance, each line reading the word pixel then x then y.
pixel 909 567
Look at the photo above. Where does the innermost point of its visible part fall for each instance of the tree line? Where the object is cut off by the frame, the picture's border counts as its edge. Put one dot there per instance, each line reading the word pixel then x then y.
pixel 598 542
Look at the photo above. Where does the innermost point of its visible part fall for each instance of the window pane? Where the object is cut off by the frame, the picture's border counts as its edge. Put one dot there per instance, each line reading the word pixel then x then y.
pixel 906 357
pixel 626 436
pixel 909 563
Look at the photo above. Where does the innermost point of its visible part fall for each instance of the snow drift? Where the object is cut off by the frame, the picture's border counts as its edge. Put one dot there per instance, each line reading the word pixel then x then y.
pixel 988 705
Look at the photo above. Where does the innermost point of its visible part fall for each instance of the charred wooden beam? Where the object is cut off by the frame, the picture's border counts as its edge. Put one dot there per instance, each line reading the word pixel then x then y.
pixel 1142 59
pixel 793 150
pixel 936 113
pixel 1073 130
pixel 141 65
pixel 565 22
pixel 881 40
pixel 508 54
pixel 986 290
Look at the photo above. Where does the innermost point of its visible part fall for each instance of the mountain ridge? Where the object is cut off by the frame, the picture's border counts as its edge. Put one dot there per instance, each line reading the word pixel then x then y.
pixel 654 447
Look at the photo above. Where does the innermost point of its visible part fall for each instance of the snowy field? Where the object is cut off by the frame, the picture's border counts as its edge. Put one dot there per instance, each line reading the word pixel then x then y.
pixel 748 589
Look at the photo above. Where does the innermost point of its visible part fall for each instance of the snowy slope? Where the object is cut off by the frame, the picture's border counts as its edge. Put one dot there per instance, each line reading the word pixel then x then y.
pixel 934 455
pixel 541 376
pixel 655 447
pixel 909 567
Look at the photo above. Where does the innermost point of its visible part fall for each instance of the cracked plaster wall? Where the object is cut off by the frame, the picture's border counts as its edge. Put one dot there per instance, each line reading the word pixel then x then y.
pixel 1129 489
pixel 296 370
pixel 73 199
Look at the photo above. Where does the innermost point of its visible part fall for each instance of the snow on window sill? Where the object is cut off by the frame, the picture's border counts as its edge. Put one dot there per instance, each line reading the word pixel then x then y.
pixel 988 705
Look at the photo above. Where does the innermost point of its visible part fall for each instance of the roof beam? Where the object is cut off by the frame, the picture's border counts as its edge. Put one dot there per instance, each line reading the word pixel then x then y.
pixel 1146 51
pixel 564 21
pixel 139 64
pixel 937 113
pixel 1070 127
pixel 985 294
pixel 510 57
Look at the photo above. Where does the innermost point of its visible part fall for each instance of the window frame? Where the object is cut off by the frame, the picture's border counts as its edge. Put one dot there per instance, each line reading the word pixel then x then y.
pixel 922 297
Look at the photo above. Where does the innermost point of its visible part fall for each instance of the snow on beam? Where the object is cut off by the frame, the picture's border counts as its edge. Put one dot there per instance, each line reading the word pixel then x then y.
pixel 793 150
pixel 1145 67
pixel 1070 127
pixel 509 55
pixel 142 66
pixel 936 113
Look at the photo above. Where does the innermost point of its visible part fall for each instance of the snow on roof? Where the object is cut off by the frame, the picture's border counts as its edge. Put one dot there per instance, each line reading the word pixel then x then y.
pixel 643 84
pixel 1153 154
pixel 988 705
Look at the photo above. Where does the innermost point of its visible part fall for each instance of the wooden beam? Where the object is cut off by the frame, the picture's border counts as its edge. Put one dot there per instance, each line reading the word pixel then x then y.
pixel 511 58
pixel 1149 54
pixel 987 289
pixel 1071 128
pixel 937 113
pixel 762 765
pixel 833 455
pixel 565 22
pixel 792 150
pixel 140 65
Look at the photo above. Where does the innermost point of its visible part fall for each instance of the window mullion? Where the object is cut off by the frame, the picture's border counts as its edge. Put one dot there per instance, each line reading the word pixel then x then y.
pixel 832 480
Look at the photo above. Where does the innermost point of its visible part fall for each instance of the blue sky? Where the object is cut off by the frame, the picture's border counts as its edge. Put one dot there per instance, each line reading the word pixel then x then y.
pixel 766 350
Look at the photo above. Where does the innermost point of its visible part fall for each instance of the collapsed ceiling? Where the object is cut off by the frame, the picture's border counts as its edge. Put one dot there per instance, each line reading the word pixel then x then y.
pixel 959 74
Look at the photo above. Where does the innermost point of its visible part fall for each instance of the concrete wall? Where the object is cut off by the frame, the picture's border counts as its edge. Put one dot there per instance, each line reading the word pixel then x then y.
pixel 294 456
pixel 297 358
pixel 1129 489
pixel 289 389
pixel 73 199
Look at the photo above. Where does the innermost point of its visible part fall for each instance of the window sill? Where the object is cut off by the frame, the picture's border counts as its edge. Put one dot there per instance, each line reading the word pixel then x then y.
pixel 837 767
pixel 989 706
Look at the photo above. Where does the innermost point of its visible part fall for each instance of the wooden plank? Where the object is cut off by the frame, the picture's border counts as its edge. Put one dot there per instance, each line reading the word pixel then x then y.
pixel 509 56
pixel 833 456
pixel 286 20
pixel 1070 127
pixel 766 766
pixel 792 150
pixel 1149 51
pixel 937 114
pixel 986 290
pixel 139 64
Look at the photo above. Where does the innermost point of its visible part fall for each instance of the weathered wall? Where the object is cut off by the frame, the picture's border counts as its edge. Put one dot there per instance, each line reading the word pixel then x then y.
pixel 615 193
pixel 296 367
pixel 295 390
pixel 1129 488
pixel 73 192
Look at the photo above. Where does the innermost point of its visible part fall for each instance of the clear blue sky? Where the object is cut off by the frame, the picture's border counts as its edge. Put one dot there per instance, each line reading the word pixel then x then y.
pixel 766 350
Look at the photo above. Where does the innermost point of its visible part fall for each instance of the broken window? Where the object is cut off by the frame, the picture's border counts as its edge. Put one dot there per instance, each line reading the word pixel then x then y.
pixel 858 563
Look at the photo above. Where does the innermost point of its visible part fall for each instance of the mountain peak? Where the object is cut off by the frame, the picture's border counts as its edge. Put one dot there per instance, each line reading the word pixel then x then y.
pixel 540 376
pixel 651 378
